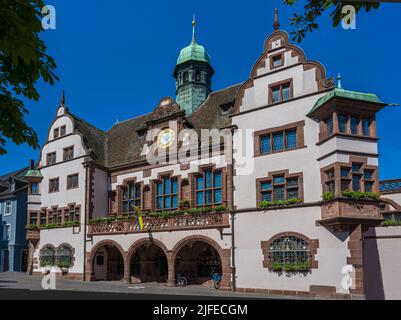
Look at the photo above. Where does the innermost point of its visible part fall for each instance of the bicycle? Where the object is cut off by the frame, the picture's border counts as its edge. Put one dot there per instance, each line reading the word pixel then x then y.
pixel 180 280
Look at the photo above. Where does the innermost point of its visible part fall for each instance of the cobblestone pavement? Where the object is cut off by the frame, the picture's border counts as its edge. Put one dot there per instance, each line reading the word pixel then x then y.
pixel 20 281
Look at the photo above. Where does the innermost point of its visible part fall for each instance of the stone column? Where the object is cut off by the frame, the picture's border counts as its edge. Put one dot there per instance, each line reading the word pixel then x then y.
pixel 355 246
pixel 171 270
pixel 225 257
pixel 127 269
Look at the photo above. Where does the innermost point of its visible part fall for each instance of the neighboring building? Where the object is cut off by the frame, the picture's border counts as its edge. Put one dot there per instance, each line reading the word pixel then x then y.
pixel 13 213
pixel 262 225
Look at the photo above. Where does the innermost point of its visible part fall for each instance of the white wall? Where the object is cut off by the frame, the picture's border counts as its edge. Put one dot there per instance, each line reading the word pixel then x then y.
pixel 382 256
pixel 254 227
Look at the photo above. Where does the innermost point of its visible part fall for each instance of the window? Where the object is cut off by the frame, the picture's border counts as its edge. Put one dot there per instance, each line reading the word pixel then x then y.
pixel 279 188
pixel 186 77
pixel 281 92
pixel 72 181
pixel 278 143
pixel 77 214
pixel 64 256
pixel 356 168
pixel 43 218
pixel 131 197
pixel 54 185
pixel 266 191
pixel 63 131
pixel 265 144
pixel 330 183
pixel 345 180
pixel 366 127
pixel 291 138
pixel 8 206
pixel 7 232
pixel 167 194
pixel 209 189
pixel 34 188
pixel 68 153
pixel 47 257
pixel 329 123
pixel 356 183
pixel 368 186
pixel 290 250
pixel 277 61
pixel 33 218
pixel 56 133
pixel 51 159
pixel 342 123
pixel 344 172
pixel 354 125
pixel 197 75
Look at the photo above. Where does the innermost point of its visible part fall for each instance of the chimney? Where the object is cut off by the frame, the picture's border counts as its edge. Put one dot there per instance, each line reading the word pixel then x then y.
pixel 31 164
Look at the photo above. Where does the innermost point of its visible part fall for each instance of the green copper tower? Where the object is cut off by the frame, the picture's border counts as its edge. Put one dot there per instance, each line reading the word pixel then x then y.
pixel 193 74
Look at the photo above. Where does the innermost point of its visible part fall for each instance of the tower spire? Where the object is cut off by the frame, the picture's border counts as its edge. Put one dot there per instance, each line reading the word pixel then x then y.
pixel 193 29
pixel 63 98
pixel 339 85
pixel 276 24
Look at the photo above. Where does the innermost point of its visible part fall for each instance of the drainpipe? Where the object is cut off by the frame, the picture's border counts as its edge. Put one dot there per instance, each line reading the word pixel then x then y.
pixel 233 269
pixel 232 214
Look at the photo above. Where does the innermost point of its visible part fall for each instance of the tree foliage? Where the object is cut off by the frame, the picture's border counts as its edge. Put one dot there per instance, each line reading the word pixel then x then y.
pixel 313 9
pixel 23 62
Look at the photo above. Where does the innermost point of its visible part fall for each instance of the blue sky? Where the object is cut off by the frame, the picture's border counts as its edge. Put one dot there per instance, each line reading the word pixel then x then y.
pixel 117 58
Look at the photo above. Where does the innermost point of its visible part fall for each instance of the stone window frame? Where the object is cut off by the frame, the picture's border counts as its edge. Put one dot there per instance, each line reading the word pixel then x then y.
pixel 126 184
pixel 313 246
pixel 273 56
pixel 34 212
pixel 338 178
pixel 280 84
pixel 56 133
pixel 58 185
pixel 160 179
pixel 55 251
pixel 62 211
pixel 63 130
pixel 57 255
pixel 72 187
pixel 270 178
pixel 201 172
pixel 68 153
pixel 30 188
pixel 49 157
pixel 324 135
pixel 258 135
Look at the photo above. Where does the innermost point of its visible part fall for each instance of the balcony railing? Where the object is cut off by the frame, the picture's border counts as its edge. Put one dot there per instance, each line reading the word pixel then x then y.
pixel 390 186
pixel 218 220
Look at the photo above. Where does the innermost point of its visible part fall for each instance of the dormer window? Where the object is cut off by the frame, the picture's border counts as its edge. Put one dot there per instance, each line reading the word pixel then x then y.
pixel 280 92
pixel 63 131
pixel 225 109
pixel 56 133
pixel 277 61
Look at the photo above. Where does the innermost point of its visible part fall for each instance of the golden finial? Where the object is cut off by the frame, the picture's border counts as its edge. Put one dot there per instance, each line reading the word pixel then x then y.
pixel 193 29
pixel 276 24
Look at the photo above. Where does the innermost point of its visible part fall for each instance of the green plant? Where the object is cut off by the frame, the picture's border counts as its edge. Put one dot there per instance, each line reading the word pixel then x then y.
pixel 291 267
pixel 391 223
pixel 184 204
pixel 360 195
pixel 64 264
pixel 328 196
pixel 281 203
pixel 32 227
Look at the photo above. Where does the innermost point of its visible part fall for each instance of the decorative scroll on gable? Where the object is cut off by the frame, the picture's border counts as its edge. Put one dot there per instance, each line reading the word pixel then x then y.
pixel 165 108
pixel 281 62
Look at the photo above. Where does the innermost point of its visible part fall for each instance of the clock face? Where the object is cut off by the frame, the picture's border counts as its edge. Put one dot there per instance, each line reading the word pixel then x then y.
pixel 166 138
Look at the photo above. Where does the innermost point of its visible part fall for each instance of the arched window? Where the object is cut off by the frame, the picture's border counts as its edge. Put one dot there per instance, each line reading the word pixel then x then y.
pixel 289 253
pixel 197 75
pixel 186 77
pixel 64 256
pixel 47 256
